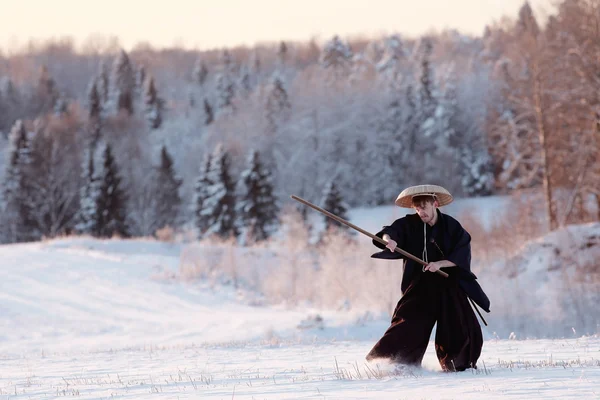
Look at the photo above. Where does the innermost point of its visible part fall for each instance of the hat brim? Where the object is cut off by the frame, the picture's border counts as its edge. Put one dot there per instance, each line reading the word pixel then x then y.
pixel 443 197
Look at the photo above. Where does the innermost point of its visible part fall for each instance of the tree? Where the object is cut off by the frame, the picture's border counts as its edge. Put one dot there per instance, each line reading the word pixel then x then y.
pixel 200 72
pixel 12 105
pixel 154 105
pixel 225 93
pixel 111 205
pixel 123 84
pixel 220 203
pixel 209 116
pixel 337 56
pixel 277 107
pixel 46 94
pixel 15 215
pixel 95 110
pixel 104 83
pixel 166 192
pixel 201 194
pixel 282 54
pixel 52 182
pixel 257 205
pixel 333 202
pixel 86 220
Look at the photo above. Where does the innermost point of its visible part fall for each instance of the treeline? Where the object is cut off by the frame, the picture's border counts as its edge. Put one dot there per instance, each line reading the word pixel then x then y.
pixel 112 142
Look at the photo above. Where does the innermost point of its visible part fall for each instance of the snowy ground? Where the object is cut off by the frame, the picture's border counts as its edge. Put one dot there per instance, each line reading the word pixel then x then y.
pixel 97 320
pixel 561 369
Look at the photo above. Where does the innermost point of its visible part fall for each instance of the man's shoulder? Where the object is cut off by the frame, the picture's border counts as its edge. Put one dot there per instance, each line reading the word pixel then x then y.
pixel 406 222
pixel 451 222
pixel 408 218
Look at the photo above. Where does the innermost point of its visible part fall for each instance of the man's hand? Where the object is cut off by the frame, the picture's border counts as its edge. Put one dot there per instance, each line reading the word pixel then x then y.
pixel 436 265
pixel 391 244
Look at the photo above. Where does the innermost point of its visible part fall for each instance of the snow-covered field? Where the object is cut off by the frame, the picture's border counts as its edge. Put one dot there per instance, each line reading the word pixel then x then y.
pixel 94 319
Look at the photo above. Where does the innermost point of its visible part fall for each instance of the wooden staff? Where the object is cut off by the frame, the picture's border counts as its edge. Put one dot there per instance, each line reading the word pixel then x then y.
pixel 376 238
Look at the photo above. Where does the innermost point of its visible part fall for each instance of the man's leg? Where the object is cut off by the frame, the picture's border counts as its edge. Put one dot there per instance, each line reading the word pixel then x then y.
pixel 458 339
pixel 405 341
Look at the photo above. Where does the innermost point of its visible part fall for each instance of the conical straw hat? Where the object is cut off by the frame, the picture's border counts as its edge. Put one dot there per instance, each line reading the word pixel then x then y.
pixel 405 198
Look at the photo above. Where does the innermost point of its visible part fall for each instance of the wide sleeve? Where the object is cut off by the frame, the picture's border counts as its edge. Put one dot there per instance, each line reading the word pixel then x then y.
pixel 395 231
pixel 461 252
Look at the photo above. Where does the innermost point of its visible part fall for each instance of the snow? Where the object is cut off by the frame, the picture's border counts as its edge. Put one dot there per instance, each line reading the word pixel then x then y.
pixel 97 319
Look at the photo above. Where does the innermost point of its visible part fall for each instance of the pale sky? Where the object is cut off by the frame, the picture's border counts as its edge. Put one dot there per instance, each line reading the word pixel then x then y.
pixel 217 23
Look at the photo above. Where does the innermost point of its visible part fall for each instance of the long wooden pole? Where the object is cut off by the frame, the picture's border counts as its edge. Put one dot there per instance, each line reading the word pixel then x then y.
pixel 376 238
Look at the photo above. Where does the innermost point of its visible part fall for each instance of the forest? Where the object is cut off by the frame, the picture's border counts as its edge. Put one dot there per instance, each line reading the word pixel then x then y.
pixel 106 142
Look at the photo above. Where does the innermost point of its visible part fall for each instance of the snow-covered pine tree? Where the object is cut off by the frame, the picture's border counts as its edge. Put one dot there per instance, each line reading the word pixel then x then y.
pixel 220 203
pixel 52 182
pixel 153 104
pixel 247 82
pixel 12 105
pixel 209 115
pixel 200 72
pixel 86 220
pixel 46 93
pixel 337 56
pixel 257 205
pixel 278 106
pixel 61 107
pixel 333 202
pixel 111 211
pixel 141 78
pixel 426 89
pixel 394 55
pixel 478 174
pixel 14 192
pixel 94 113
pixel 167 197
pixel 282 54
pixel 104 84
pixel 201 193
pixel 123 84
pixel 225 93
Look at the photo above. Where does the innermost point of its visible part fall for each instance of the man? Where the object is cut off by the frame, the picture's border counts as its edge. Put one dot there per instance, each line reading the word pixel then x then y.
pixel 427 296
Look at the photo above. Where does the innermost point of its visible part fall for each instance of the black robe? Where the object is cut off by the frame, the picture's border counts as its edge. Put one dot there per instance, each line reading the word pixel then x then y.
pixel 454 241
pixel 428 298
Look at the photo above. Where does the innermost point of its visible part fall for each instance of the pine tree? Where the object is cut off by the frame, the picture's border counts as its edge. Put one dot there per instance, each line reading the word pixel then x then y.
pixel 208 113
pixel 220 203
pixel 282 54
pixel 141 78
pixel 278 106
pixel 87 215
pixel 200 72
pixel 104 84
pixel 225 93
pixel 123 84
pixel 336 54
pixel 333 202
pixel 257 207
pixel 246 82
pixel 94 113
pixel 12 105
pixel 477 174
pixel 111 204
pixel 167 198
pixel 426 91
pixel 201 194
pixel 153 104
pixel 61 108
pixel 46 94
pixel 14 191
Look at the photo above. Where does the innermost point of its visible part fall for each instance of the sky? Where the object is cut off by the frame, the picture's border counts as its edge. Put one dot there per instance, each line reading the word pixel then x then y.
pixel 206 24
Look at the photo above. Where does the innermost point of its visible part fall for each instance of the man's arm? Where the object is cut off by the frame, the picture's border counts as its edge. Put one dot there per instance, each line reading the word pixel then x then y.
pixel 436 265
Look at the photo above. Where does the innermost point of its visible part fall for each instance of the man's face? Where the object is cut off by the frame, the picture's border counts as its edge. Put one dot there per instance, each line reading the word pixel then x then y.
pixel 425 209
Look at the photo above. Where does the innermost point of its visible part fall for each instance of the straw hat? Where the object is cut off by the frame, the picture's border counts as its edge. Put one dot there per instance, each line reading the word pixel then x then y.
pixel 405 198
